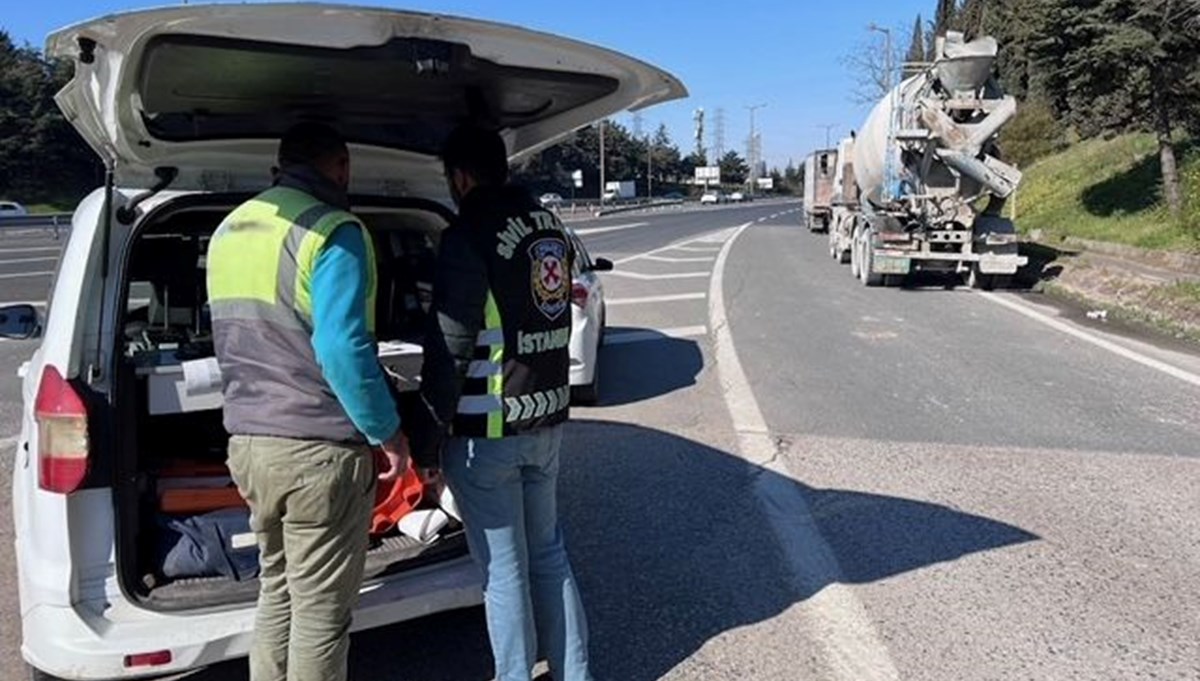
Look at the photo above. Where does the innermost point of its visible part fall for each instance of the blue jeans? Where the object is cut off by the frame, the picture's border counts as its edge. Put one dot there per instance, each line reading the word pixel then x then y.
pixel 506 491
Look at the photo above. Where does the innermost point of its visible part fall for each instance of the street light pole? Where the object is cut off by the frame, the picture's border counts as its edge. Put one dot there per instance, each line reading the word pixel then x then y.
pixel 828 129
pixel 753 141
pixel 602 161
pixel 890 160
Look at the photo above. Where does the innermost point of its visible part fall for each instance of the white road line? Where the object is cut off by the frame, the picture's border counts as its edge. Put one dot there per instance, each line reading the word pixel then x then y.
pixel 658 277
pixel 24 260
pixel 713 238
pixel 1119 350
pixel 40 249
pixel 612 228
pixel 23 302
pixel 647 335
pixel 25 274
pixel 659 258
pixel 840 624
pixel 655 299
pixel 714 249
pixel 9 441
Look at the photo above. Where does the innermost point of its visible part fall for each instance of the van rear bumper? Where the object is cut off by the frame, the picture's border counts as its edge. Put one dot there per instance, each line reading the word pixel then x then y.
pixel 90 640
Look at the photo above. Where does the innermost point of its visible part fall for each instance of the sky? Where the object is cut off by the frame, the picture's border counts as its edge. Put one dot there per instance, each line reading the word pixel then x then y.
pixel 786 54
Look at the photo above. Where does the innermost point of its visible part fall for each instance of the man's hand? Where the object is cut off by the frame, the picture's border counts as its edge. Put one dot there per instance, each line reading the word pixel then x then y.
pixel 395 451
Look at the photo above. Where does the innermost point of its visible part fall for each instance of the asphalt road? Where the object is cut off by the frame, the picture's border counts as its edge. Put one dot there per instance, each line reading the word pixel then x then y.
pixel 955 488
pixel 28 259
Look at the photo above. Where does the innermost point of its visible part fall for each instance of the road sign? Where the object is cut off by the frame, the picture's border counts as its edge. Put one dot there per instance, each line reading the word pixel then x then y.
pixel 708 173
pixel 577 178
pixel 766 183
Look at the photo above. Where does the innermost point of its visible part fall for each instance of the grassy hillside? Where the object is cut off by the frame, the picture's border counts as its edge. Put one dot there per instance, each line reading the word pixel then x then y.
pixel 1109 190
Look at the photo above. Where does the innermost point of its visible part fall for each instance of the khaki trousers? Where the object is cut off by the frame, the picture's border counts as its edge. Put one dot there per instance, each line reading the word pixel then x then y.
pixel 310 507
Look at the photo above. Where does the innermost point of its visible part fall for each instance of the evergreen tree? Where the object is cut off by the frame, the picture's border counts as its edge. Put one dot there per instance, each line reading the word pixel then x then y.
pixel 916 49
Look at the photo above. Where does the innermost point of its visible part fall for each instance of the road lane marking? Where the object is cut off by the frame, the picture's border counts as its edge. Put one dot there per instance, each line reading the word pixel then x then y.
pixel 647 335
pixel 41 249
pixel 1119 350
pixel 588 231
pixel 713 249
pixel 24 260
pixel 658 277
pixel 655 299
pixel 26 274
pixel 9 441
pixel 715 238
pixel 839 623
pixel 23 302
pixel 659 258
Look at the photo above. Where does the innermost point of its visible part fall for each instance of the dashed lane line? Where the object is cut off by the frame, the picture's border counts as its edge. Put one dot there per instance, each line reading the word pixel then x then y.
pixel 589 231
pixel 20 261
pixel 658 277
pixel 838 622
pixel 647 300
pixel 660 258
pixel 20 275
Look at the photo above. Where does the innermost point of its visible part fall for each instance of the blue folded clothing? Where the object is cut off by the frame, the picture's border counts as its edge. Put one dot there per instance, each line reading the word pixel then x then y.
pixel 202 546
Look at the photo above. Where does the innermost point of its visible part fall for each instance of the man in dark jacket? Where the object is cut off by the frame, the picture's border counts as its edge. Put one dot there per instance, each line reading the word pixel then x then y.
pixel 497 374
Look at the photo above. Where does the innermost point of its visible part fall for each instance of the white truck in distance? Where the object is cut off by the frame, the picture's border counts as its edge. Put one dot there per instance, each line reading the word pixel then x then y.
pixel 624 189
pixel 819 170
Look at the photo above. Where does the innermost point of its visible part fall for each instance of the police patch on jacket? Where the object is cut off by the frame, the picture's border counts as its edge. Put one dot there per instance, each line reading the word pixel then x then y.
pixel 551 291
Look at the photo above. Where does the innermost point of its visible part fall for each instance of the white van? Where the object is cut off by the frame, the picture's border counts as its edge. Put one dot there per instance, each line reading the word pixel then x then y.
pixel 186 106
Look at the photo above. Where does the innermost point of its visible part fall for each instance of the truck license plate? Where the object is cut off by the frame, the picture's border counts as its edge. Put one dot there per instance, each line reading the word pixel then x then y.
pixel 888 265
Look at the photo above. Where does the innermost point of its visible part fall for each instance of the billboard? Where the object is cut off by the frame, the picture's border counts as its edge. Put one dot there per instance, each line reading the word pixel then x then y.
pixel 766 183
pixel 708 174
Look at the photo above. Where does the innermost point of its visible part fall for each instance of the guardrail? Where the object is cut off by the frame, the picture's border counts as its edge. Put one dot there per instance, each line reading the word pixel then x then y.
pixel 41 221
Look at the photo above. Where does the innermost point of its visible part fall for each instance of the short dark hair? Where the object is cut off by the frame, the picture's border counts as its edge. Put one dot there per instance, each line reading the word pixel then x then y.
pixel 477 151
pixel 310 143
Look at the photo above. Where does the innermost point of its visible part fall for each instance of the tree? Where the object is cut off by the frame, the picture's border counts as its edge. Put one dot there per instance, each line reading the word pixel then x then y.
pixel 1114 65
pixel 733 168
pixel 943 18
pixel 873 69
pixel 42 158
pixel 916 49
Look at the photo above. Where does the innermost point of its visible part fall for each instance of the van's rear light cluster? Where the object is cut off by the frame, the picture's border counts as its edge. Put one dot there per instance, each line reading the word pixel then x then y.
pixel 62 434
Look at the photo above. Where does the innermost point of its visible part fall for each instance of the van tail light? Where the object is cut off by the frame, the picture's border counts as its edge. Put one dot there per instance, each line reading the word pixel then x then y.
pixel 62 434
pixel 579 295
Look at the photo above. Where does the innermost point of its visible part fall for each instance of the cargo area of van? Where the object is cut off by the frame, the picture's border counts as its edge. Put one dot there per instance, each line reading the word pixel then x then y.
pixel 183 535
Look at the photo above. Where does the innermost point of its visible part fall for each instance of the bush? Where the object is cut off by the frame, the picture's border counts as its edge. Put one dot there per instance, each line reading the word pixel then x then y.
pixel 1032 135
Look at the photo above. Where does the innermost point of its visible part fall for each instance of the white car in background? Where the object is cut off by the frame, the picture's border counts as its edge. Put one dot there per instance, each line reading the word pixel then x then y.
pixel 712 197
pixel 12 209
pixel 737 197
pixel 188 104
pixel 588 320
pixel 550 200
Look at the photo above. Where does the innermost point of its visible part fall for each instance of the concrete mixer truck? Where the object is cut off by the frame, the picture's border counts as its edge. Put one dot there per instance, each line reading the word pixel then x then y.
pixel 931 180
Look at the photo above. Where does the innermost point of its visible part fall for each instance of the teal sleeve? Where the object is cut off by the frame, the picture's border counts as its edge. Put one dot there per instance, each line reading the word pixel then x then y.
pixel 344 347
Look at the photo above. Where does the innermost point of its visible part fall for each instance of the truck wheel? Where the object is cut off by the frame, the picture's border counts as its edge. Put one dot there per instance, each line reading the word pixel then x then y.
pixel 980 281
pixel 866 265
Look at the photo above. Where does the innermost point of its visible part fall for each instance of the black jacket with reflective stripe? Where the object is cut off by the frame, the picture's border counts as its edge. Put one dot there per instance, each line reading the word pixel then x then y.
pixel 505 246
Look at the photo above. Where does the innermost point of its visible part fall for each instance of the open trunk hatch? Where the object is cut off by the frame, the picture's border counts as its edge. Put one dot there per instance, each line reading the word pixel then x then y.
pixel 209 89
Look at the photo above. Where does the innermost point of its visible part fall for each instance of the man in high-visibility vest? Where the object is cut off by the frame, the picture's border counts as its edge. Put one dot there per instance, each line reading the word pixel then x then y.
pixel 291 284
pixel 496 373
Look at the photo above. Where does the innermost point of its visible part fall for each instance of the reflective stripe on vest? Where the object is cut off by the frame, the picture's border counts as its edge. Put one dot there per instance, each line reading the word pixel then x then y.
pixel 491 342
